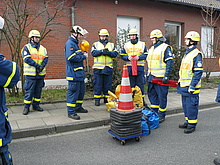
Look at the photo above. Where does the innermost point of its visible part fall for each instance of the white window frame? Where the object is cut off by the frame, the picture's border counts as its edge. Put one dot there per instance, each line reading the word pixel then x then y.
pixel 207 41
pixel 123 22
pixel 178 24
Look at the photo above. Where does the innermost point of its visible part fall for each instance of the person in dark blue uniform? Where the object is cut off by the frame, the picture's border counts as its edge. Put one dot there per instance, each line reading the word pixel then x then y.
pixel 9 76
pixel 35 61
pixel 135 50
pixel 189 85
pixel 103 52
pixel 75 74
pixel 160 63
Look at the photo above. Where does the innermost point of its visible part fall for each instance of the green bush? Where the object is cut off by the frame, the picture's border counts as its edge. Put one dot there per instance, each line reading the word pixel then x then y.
pixel 178 55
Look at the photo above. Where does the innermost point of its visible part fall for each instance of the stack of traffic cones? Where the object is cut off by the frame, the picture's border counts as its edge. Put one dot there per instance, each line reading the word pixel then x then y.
pixel 125 119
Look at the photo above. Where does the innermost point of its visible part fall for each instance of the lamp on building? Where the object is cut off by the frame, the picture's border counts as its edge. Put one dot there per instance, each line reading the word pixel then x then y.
pixel 116 2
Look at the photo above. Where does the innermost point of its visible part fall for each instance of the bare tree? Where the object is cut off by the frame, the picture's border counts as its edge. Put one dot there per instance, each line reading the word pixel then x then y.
pixel 23 15
pixel 210 39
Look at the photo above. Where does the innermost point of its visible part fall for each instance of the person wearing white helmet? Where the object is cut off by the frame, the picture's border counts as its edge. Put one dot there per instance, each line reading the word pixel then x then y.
pixel 75 74
pixel 103 52
pixel 9 76
pixel 189 85
pixel 35 60
pixel 135 50
pixel 160 62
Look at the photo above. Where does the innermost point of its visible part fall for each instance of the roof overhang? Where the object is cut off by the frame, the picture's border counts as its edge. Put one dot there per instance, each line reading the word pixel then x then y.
pixel 196 3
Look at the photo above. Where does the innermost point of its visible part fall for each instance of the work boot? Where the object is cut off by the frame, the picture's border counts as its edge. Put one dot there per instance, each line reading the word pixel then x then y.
pixel 162 119
pixel 97 102
pixel 183 125
pixel 81 110
pixel 189 130
pixel 38 108
pixel 216 161
pixel 105 100
pixel 74 116
pixel 26 110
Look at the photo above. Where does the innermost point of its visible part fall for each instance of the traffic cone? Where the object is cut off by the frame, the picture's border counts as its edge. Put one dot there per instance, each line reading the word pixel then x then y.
pixel 125 102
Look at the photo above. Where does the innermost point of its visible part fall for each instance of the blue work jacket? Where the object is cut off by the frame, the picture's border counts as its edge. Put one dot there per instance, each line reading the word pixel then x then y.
pixel 74 61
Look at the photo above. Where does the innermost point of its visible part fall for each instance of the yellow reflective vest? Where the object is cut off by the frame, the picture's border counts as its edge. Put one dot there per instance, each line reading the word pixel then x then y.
pixel 38 56
pixel 135 49
pixel 186 69
pixel 102 61
pixel 155 60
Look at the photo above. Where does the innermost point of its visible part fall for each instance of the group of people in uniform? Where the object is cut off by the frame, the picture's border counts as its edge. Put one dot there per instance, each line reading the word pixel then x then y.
pixel 159 60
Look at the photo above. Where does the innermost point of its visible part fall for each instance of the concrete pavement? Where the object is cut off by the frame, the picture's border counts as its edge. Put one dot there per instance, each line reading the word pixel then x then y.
pixel 54 118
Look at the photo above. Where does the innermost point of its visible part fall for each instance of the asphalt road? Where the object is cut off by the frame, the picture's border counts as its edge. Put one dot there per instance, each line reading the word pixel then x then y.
pixel 167 145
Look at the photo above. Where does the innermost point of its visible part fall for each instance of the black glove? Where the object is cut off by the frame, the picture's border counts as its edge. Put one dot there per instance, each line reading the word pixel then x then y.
pixel 39 68
pixel 165 80
pixel 106 52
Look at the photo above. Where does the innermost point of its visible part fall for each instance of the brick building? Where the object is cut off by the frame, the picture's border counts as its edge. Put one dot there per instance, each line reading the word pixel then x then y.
pixel 173 17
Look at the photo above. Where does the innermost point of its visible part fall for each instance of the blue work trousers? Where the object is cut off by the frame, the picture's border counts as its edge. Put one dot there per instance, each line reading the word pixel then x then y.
pixel 5 156
pixel 190 106
pixel 33 89
pixel 102 84
pixel 217 99
pixel 75 95
pixel 138 80
pixel 157 95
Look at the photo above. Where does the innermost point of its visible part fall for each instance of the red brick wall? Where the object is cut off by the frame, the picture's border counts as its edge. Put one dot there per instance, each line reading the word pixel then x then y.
pixel 94 15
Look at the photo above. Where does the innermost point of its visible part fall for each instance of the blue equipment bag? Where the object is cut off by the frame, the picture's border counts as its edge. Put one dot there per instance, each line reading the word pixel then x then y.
pixel 153 118
pixel 145 125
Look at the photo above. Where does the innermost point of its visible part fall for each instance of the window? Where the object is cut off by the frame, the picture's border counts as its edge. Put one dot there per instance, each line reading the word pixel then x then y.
pixel 173 33
pixel 124 24
pixel 207 41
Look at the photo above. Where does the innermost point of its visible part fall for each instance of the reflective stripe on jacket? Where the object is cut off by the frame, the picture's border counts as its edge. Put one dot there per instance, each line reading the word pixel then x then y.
pixel 38 56
pixel 101 61
pixel 155 60
pixel 135 49
pixel 9 74
pixel 186 69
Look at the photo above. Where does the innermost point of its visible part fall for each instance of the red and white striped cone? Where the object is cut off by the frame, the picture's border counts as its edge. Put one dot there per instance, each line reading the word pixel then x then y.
pixel 125 102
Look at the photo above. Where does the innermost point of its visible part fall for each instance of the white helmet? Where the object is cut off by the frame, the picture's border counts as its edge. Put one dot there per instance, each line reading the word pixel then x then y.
pixel 34 33
pixel 133 31
pixel 193 35
pixel 103 32
pixel 78 29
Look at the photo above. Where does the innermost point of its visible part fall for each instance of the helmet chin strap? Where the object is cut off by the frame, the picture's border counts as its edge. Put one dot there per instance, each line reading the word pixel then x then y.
pixel 75 36
pixel 32 40
pixel 190 43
